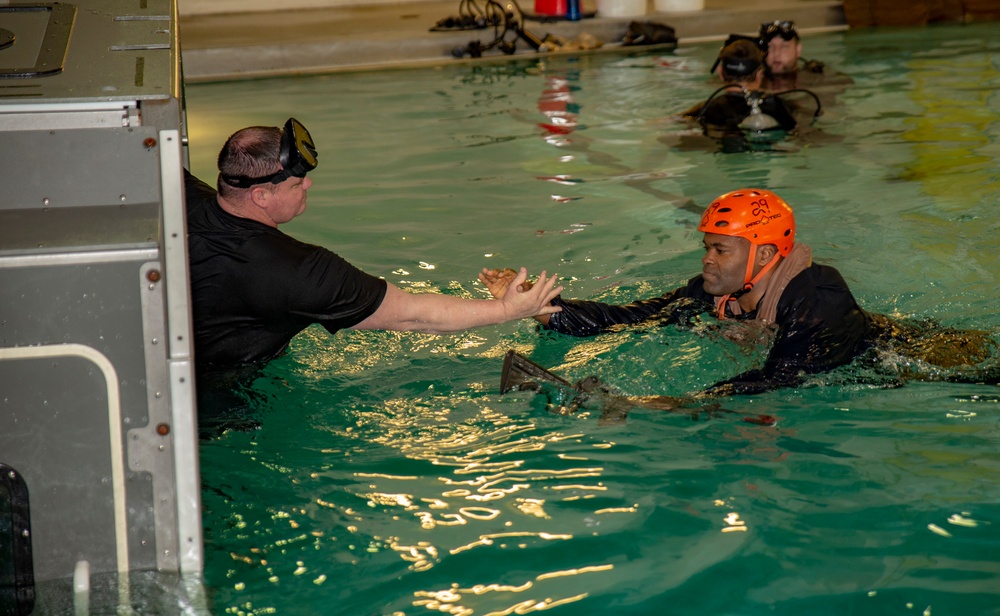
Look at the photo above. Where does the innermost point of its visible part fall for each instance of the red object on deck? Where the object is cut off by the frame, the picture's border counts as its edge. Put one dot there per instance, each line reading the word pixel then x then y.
pixel 551 7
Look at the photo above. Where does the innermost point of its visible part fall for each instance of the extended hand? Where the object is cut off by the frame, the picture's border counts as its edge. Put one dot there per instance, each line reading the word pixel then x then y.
pixel 497 281
pixel 527 299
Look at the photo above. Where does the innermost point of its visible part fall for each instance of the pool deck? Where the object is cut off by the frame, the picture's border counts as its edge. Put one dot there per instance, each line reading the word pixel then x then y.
pixel 314 41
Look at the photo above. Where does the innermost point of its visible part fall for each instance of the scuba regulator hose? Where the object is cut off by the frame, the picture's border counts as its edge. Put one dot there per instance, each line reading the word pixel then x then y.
pixel 819 106
pixel 757 121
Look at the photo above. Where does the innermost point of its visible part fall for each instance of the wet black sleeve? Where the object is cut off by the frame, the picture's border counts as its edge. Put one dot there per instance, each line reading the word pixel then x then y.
pixel 820 327
pixel 585 318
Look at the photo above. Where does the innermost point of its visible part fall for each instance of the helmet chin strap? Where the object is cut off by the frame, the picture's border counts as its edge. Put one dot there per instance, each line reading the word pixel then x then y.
pixel 750 282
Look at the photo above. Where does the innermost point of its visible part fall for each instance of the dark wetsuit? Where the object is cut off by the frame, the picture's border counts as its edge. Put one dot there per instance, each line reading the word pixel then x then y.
pixel 819 326
pixel 254 288
pixel 726 111
pixel 721 116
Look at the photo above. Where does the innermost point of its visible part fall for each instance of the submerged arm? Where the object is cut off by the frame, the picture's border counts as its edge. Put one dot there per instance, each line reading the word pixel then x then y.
pixel 585 318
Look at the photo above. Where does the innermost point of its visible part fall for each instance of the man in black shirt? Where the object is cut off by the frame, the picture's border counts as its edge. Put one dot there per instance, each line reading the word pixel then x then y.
pixel 754 271
pixel 254 288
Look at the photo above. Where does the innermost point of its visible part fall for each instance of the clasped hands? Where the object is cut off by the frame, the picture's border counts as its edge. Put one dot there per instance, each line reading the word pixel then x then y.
pixel 542 291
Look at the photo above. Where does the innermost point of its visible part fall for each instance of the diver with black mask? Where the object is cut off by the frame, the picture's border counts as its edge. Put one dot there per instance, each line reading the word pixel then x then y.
pixel 254 288
pixel 741 112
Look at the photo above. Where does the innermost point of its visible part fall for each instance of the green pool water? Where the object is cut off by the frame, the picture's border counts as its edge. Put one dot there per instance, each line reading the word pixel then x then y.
pixel 389 476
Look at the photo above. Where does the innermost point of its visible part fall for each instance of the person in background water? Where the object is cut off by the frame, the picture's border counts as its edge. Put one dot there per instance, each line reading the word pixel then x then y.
pixel 782 48
pixel 755 273
pixel 722 116
pixel 786 68
pixel 254 288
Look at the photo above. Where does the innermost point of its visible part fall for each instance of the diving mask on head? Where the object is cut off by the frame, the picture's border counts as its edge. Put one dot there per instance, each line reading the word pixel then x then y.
pixel 729 41
pixel 297 156
pixel 783 28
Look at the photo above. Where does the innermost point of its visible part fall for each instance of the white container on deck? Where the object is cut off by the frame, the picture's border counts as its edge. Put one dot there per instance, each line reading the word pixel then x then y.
pixel 678 6
pixel 621 8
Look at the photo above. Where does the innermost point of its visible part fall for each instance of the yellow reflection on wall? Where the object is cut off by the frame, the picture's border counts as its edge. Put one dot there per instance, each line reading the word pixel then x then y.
pixel 951 138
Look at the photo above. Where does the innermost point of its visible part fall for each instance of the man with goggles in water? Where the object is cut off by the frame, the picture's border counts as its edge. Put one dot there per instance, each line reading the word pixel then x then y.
pixel 782 48
pixel 757 276
pixel 779 41
pixel 786 68
pixel 254 288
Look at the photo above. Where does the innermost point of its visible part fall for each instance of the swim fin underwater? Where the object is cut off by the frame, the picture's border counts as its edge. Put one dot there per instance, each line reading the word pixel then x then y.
pixel 520 373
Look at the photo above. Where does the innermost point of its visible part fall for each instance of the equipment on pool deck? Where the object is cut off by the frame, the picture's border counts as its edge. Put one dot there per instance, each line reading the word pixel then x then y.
pixel 98 440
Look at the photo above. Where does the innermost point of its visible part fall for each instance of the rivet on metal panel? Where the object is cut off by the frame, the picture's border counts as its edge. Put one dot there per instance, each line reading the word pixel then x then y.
pixel 153 275
pixel 163 429
pixel 150 143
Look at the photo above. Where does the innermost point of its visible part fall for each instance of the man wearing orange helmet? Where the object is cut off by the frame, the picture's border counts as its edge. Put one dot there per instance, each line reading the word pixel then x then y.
pixel 752 270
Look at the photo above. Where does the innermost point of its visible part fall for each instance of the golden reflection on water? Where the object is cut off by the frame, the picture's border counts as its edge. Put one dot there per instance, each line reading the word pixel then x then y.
pixel 498 476
pixel 734 523
pixel 450 601
pixel 419 555
pixel 486 540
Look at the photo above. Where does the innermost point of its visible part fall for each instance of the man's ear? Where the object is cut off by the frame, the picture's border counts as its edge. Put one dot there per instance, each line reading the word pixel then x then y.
pixel 765 253
pixel 259 195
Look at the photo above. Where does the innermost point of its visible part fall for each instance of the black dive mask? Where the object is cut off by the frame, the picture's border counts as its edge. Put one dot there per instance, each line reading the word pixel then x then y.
pixel 297 157
pixel 732 38
pixel 739 67
pixel 784 29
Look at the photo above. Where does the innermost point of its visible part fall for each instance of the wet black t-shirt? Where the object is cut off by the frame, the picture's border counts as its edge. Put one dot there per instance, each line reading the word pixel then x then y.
pixel 254 288
pixel 819 326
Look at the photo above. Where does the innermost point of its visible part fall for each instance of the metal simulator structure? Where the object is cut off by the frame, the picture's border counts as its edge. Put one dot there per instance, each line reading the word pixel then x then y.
pixel 98 437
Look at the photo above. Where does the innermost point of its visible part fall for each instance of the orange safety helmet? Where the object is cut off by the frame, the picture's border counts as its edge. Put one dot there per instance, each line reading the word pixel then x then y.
pixel 759 216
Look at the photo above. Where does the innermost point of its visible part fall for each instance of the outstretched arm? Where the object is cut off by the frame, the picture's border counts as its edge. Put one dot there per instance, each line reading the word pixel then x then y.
pixel 438 314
